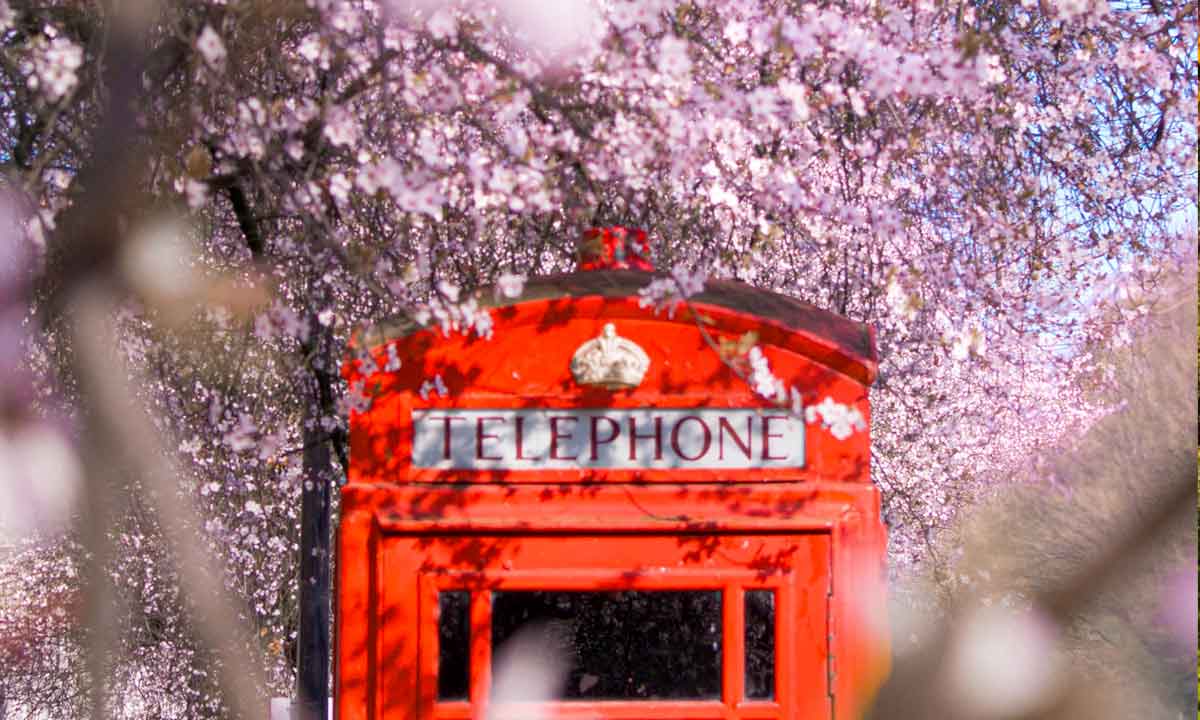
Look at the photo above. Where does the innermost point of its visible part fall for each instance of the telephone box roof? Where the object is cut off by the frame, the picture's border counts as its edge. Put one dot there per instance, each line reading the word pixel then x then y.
pixel 842 343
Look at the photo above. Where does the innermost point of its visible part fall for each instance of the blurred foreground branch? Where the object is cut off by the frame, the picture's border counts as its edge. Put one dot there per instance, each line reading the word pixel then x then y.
pixel 85 286
pixel 928 683
pixel 123 439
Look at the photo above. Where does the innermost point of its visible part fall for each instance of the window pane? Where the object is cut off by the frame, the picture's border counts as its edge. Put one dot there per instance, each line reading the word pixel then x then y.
pixel 760 644
pixel 454 634
pixel 622 645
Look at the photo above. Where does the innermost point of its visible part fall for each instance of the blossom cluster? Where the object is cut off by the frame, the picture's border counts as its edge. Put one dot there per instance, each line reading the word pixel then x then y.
pixel 54 65
pixel 670 291
pixel 452 315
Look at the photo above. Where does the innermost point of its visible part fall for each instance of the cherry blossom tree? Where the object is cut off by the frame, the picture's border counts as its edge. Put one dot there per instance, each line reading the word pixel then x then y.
pixel 997 187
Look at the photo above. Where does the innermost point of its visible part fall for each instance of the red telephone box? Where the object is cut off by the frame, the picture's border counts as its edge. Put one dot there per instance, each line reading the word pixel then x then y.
pixel 700 552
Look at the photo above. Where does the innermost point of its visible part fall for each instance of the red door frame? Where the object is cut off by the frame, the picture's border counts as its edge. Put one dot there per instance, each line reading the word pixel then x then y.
pixel 563 567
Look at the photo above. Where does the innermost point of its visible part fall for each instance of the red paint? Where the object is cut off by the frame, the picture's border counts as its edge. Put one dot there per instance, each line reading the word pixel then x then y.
pixel 812 532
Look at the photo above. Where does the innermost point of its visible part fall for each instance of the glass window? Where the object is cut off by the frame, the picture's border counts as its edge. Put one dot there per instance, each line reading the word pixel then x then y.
pixel 454 646
pixel 629 645
pixel 760 644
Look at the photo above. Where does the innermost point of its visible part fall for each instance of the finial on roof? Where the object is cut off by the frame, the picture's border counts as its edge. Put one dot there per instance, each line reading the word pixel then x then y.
pixel 614 248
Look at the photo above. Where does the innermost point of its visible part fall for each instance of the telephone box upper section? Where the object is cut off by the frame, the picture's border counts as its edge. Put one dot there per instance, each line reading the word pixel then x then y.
pixel 582 381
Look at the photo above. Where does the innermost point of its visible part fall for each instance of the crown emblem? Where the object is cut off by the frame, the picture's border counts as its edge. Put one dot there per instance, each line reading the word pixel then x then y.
pixel 610 361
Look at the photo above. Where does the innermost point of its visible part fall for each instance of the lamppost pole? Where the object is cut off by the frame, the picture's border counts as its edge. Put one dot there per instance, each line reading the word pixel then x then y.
pixel 312 672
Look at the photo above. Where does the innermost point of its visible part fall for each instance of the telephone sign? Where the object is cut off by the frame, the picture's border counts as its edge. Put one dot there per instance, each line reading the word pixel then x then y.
pixel 531 439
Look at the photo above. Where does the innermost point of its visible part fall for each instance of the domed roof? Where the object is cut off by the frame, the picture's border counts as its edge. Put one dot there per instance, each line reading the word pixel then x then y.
pixel 839 342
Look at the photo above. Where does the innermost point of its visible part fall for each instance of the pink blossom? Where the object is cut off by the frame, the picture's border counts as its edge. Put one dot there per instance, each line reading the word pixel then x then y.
pixel 668 292
pixel 736 32
pixel 341 126
pixel 442 24
pixel 241 437
pixel 673 57
pixel 624 14
pixel 7 16
pixel 763 102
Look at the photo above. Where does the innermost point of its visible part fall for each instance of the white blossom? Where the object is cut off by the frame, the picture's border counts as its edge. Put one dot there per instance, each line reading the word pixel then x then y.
pixel 40 476
pixel 210 47
pixel 1071 8
pixel 736 32
pixel 355 400
pixel 796 94
pixel 393 359
pixel 968 341
pixel 310 47
pixel 509 285
pixel 433 387
pixel 264 327
pixel 339 187
pixel 54 68
pixel 841 420
pixel 903 304
pixel 196 193
pixel 623 15
pixel 764 382
pixel 1003 664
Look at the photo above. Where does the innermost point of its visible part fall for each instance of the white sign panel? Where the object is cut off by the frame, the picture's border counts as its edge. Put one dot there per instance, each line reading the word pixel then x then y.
pixel 545 439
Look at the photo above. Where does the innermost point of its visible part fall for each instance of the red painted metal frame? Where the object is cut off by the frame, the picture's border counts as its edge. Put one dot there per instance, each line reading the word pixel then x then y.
pixel 406 532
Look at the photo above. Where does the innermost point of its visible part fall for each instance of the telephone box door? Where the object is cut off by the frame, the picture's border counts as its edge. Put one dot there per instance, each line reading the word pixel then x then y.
pixel 726 625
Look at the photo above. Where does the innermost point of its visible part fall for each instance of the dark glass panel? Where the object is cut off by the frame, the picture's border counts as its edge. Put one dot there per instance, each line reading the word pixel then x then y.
pixel 454 645
pixel 760 644
pixel 632 645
